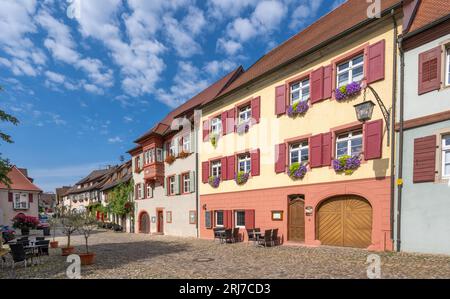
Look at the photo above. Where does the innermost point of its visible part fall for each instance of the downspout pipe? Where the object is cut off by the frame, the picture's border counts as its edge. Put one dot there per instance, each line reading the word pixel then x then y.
pixel 400 143
pixel 394 112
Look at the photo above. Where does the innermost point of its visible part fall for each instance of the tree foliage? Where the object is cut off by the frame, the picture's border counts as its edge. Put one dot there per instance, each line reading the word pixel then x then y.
pixel 119 199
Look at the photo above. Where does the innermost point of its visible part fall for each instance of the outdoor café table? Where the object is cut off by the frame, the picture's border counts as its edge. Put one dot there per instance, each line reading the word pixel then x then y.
pixel 34 248
pixel 258 236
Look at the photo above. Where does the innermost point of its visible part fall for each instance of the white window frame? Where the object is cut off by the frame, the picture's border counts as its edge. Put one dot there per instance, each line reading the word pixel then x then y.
pixel 301 148
pixel 216 125
pixel 302 87
pixel 172 185
pixel 21 201
pixel 149 191
pixel 245 161
pixel 447 64
pixel 187 143
pixel 352 135
pixel 215 219
pixel 245 114
pixel 445 150
pixel 139 191
pixel 349 70
pixel 236 217
pixel 186 178
pixel 159 155
pixel 216 168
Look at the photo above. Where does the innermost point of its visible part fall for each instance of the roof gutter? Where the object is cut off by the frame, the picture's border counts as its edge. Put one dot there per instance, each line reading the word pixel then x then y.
pixel 314 49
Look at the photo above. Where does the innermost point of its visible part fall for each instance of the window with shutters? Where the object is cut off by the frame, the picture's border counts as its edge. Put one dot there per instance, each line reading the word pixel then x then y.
pixel 300 91
pixel 173 147
pixel 447 65
pixel 216 169
pixel 171 181
pixel 186 181
pixel 149 191
pixel 240 219
pixel 216 126
pixel 429 71
pixel 187 143
pixel 21 201
pixel 299 153
pixel 350 71
pixel 245 113
pixel 349 144
pixel 139 191
pixel 446 156
pixel 219 218
pixel 244 163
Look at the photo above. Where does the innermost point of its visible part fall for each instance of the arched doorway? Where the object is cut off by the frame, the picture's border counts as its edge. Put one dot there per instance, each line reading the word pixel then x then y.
pixel 345 221
pixel 296 216
pixel 144 223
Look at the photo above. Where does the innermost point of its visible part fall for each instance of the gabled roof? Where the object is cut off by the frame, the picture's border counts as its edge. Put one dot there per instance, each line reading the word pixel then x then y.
pixel 163 127
pixel 349 15
pixel 429 11
pixel 20 181
pixel 93 176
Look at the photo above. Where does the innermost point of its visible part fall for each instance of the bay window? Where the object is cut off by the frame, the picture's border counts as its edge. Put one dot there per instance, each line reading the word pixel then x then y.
pixel 300 91
pixel 446 156
pixel 350 71
pixel 299 153
pixel 21 201
pixel 219 218
pixel 216 126
pixel 349 144
pixel 216 169
pixel 244 163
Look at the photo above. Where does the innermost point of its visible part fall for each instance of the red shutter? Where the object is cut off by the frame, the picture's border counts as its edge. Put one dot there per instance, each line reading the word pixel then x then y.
pixel 326 149
pixel 280 158
pixel 250 219
pixel 327 82
pixel 30 197
pixel 205 172
pixel 231 121
pixel 256 109
pixel 255 162
pixel 317 85
pixel 373 140
pixel 231 163
pixel 224 123
pixel 206 130
pixel 376 63
pixel 430 70
pixel 315 151
pixel 228 219
pixel 424 159
pixel 224 169
pixel 10 197
pixel 280 100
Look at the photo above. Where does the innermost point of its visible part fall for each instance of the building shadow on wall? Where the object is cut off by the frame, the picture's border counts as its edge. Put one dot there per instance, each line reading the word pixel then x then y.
pixel 380 168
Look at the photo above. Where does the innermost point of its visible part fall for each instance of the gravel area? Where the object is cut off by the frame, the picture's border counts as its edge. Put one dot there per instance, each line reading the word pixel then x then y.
pixel 121 255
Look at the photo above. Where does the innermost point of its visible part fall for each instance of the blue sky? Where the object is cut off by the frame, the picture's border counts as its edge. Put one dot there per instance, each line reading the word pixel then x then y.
pixel 84 88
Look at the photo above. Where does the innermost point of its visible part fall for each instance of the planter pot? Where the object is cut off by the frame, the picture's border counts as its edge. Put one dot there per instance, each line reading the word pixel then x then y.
pixel 66 251
pixel 54 244
pixel 87 258
pixel 46 231
pixel 25 231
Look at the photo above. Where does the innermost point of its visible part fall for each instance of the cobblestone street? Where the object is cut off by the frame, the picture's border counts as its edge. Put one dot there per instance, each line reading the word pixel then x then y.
pixel 142 256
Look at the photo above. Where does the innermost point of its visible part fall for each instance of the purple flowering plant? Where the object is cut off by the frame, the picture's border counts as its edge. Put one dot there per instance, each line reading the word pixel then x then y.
pixel 243 128
pixel 297 171
pixel 298 108
pixel 347 164
pixel 347 91
pixel 214 181
pixel 241 177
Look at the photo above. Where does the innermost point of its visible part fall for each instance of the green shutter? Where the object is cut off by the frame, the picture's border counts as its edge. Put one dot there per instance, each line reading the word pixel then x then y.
pixel 193 179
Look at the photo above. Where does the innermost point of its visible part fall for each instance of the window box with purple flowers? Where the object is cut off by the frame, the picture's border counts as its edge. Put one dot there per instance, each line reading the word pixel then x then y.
pixel 348 91
pixel 298 108
pixel 347 164
pixel 297 171
pixel 214 181
pixel 241 177
pixel 243 128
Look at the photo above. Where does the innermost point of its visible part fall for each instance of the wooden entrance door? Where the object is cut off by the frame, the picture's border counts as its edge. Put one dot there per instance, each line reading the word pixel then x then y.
pixel 297 220
pixel 144 224
pixel 160 222
pixel 345 221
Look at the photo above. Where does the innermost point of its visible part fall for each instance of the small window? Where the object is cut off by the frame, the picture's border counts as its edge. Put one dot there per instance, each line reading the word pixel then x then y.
pixel 219 218
pixel 169 217
pixel 349 144
pixel 245 114
pixel 21 201
pixel 216 169
pixel 216 126
pixel 172 185
pixel 186 183
pixel 139 191
pixel 300 91
pixel 173 148
pixel 192 217
pixel 187 143
pixel 244 163
pixel 447 64
pixel 149 191
pixel 240 219
pixel 159 155
pixel 299 153
pixel 446 156
pixel 350 71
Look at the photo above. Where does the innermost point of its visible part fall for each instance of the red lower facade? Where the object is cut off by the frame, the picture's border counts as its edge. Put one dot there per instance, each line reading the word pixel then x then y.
pixel 351 214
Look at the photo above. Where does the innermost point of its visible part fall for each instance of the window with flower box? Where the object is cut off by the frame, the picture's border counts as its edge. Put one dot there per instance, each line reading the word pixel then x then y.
pixel 350 71
pixel 245 113
pixel 219 218
pixel 349 144
pixel 216 126
pixel 173 148
pixel 446 156
pixel 299 153
pixel 245 163
pixel 300 91
pixel 216 169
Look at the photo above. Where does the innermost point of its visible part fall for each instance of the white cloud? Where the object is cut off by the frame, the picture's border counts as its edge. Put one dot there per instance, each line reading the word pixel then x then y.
pixel 182 41
pixel 216 67
pixel 127 119
pixel 55 77
pixel 306 10
pixel 114 140
pixel 230 47
pixel 221 9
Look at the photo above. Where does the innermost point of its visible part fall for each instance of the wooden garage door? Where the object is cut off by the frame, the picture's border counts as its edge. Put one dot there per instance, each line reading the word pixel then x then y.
pixel 345 221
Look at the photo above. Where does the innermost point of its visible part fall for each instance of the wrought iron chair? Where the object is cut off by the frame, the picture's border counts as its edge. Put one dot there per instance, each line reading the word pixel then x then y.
pixel 19 254
pixel 266 240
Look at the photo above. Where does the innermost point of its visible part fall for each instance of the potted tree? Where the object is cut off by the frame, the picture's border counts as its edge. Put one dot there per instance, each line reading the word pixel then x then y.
pixel 25 223
pixel 53 226
pixel 70 223
pixel 88 224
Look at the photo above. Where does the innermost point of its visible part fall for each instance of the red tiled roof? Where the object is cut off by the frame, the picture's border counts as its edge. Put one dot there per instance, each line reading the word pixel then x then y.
pixel 428 12
pixel 348 15
pixel 203 97
pixel 19 181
